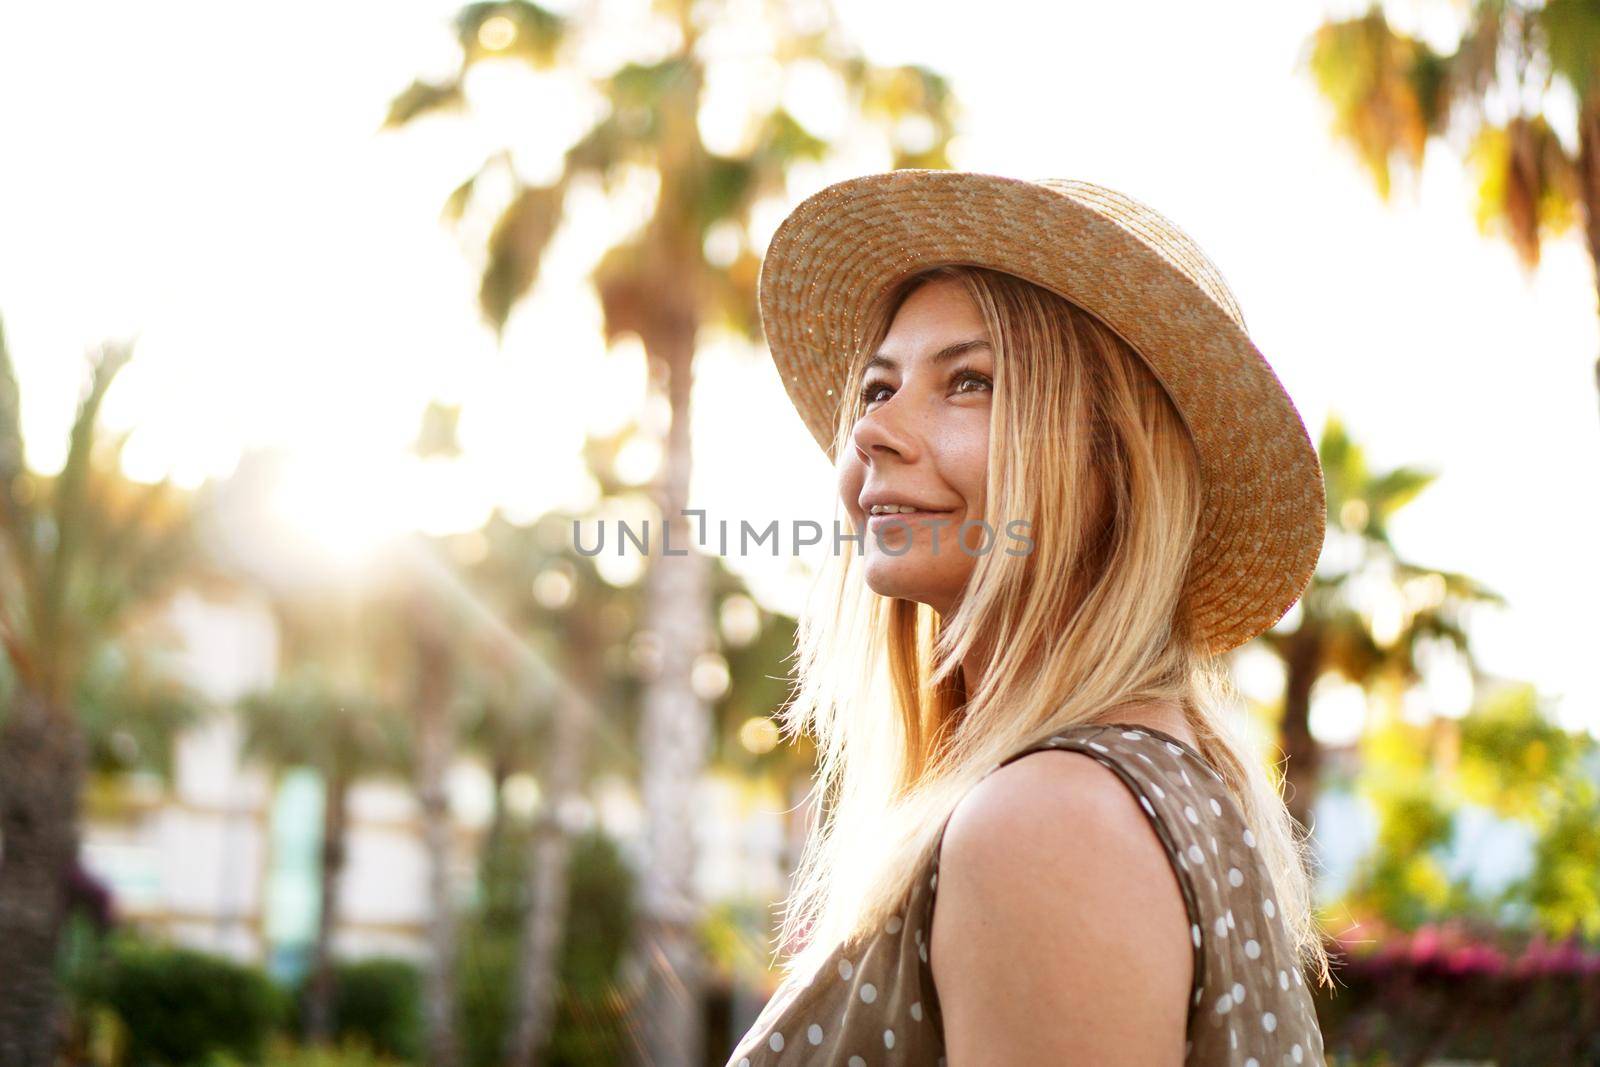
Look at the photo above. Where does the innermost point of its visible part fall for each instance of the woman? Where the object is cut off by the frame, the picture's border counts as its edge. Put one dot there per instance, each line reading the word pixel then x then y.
pixel 1077 483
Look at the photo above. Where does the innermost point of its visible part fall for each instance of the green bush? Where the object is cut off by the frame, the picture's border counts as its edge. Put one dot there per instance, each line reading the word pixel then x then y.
pixel 179 1007
pixel 590 1027
pixel 281 1053
pixel 376 1002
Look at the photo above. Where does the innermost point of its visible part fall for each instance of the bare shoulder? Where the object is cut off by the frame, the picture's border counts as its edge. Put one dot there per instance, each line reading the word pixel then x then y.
pixel 1059 930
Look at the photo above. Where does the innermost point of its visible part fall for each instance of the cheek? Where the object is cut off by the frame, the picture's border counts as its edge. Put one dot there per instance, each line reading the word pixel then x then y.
pixel 966 461
pixel 852 475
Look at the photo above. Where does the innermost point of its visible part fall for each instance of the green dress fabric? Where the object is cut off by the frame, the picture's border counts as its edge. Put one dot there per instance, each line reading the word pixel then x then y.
pixel 1249 1006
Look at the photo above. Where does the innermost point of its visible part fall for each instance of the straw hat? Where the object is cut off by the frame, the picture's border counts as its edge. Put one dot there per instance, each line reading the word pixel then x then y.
pixel 1264 508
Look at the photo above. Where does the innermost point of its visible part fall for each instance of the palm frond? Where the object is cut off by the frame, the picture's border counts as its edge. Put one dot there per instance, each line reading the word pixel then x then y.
pixel 423 98
pixel 16 521
pixel 1385 89
pixel 1571 33
pixel 509 29
pixel 1528 187
pixel 516 246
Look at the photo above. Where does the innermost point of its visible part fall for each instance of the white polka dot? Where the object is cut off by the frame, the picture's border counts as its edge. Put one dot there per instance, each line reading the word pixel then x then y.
pixel 888 1039
pixel 1158 791
pixel 1194 931
pixel 1098 747
pixel 916 1010
pixel 869 993
pixel 1233 1038
pixel 1144 802
pixel 1297 978
pixel 1222 926
pixel 1235 876
pixel 1131 736
pixel 933 883
pixel 1197 993
pixel 918 935
pixel 1185 776
pixel 857 1061
pixel 1224 1004
pixel 1174 749
pixel 1188 813
pixel 1147 759
pixel 846 969
pixel 1230 918
pixel 1252 949
pixel 1238 993
pixel 814 1034
pixel 1269 907
pixel 1196 855
pixel 1214 851
pixel 745 1062
pixel 1249 838
pixel 1269 1022
pixel 893 925
pixel 922 950
pixel 776 1041
pixel 1283 979
pixel 1252 1062
pixel 1216 809
pixel 1294 1050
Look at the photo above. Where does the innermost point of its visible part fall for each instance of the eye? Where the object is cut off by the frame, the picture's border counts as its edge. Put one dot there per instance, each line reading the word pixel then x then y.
pixel 869 392
pixel 972 377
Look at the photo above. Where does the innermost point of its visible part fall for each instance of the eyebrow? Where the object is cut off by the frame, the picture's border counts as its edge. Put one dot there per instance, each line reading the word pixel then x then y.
pixel 948 352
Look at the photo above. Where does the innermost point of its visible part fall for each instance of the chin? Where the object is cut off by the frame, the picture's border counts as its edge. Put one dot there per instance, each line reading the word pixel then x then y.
pixel 905 578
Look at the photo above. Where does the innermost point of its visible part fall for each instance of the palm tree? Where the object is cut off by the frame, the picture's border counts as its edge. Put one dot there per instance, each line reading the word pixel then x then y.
pixel 1391 92
pixel 82 555
pixel 662 285
pixel 345 733
pixel 1334 634
pixel 570 704
pixel 434 656
pixel 557 610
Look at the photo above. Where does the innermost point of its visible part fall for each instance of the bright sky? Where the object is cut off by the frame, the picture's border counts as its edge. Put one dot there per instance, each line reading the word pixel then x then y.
pixel 211 178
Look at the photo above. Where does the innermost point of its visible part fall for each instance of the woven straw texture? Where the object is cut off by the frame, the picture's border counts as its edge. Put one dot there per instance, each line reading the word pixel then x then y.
pixel 842 248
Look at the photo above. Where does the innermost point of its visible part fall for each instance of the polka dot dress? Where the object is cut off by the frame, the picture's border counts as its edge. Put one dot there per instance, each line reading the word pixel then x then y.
pixel 875 1002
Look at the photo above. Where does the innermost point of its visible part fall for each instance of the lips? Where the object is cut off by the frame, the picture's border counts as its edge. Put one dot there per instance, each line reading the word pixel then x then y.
pixel 920 515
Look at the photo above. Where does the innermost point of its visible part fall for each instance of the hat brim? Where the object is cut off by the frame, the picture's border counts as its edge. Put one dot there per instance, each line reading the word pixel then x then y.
pixel 842 248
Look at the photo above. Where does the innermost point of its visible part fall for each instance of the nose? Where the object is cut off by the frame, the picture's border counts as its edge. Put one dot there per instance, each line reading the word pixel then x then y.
pixel 882 432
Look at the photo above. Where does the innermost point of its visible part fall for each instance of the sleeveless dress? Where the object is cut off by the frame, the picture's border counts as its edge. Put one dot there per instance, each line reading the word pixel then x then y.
pixel 1248 1007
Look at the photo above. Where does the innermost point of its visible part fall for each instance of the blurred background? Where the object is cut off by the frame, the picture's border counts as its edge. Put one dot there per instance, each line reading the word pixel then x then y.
pixel 320 741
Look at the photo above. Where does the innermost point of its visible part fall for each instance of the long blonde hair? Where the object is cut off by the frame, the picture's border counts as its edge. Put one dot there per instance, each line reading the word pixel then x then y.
pixel 1087 447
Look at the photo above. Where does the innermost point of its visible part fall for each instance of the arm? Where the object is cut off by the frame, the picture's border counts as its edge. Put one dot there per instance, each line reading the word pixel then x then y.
pixel 1059 932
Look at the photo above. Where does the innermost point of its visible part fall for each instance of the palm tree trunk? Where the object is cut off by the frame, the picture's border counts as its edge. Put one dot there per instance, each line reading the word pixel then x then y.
pixel 1302 661
pixel 41 772
pixel 434 747
pixel 1589 183
pixel 494 838
pixel 319 995
pixel 674 738
pixel 549 855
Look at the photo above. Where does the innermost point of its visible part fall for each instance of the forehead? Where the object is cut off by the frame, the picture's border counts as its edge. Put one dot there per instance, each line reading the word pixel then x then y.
pixel 936 314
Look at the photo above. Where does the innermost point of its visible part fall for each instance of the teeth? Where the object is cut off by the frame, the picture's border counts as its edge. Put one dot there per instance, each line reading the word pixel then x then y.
pixel 892 509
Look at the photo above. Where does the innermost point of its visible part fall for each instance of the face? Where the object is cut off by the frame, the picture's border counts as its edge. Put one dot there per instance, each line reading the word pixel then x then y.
pixel 923 441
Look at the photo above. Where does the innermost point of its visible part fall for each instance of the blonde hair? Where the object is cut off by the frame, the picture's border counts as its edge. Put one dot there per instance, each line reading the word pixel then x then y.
pixel 1085 445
